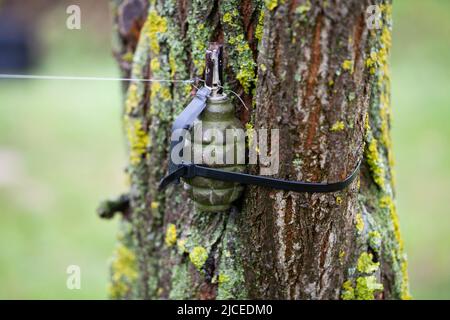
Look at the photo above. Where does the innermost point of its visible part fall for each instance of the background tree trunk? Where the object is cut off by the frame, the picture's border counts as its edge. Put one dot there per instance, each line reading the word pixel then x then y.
pixel 312 69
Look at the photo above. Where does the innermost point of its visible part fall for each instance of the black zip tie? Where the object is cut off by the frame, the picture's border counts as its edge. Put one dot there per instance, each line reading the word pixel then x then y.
pixel 190 170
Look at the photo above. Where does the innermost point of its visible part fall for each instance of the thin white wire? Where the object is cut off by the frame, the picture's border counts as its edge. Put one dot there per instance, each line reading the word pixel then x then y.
pixel 240 99
pixel 47 77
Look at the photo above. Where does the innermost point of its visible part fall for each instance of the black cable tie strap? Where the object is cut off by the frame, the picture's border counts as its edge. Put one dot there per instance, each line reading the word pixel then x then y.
pixel 193 170
pixel 188 170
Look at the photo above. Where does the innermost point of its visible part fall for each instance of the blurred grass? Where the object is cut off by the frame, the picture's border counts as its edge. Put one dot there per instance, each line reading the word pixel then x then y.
pixel 61 143
pixel 421 135
pixel 65 150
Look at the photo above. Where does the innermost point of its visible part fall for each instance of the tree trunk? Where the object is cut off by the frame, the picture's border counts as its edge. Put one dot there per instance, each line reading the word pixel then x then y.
pixel 315 71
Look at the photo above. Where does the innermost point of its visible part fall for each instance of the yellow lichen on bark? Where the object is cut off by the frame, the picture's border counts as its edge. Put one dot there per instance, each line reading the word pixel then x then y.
pixel 138 140
pixel 171 235
pixel 123 272
pixel 155 25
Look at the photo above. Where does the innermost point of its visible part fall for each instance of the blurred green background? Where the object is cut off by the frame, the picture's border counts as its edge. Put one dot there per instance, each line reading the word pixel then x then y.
pixel 62 151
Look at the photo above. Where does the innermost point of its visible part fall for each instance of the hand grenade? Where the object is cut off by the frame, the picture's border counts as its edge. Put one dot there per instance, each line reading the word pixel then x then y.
pixel 218 117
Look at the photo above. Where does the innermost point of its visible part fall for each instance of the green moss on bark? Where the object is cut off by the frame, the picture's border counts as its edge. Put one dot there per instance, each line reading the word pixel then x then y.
pixel 240 55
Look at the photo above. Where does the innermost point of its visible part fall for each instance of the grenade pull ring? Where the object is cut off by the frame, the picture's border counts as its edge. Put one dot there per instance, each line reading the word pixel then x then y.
pixel 214 72
pixel 214 68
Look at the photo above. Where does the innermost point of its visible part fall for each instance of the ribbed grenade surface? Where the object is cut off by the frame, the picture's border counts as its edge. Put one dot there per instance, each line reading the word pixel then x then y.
pixel 208 194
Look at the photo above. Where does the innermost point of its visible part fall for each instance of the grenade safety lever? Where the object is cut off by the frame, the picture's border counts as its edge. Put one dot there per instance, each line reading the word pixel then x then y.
pixel 186 119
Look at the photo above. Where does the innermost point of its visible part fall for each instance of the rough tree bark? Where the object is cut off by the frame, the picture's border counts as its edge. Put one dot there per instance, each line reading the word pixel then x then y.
pixel 314 70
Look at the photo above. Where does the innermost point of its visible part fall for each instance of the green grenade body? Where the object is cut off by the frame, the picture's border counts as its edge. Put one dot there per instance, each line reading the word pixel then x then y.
pixel 214 195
